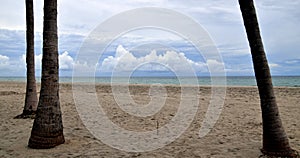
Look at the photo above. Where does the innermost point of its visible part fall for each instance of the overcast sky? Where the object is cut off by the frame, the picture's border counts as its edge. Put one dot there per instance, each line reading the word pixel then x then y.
pixel 279 22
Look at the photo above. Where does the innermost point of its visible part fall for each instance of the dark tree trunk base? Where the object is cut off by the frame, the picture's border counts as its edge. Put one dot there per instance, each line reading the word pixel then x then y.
pixel 284 154
pixel 37 142
pixel 26 115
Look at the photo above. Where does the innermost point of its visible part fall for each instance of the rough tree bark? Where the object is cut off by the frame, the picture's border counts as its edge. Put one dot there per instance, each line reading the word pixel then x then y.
pixel 30 106
pixel 47 130
pixel 275 141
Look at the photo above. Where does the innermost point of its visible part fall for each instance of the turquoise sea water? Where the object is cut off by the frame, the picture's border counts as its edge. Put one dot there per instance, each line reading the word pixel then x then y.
pixel 289 81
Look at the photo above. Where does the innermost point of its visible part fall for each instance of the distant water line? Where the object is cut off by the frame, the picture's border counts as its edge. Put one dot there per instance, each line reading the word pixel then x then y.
pixel 287 81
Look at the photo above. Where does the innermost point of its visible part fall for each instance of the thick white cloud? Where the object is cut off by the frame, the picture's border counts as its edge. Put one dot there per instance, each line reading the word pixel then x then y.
pixel 124 61
pixel 3 59
pixel 4 62
pixel 66 62
pixel 215 66
pixel 10 66
pixel 273 65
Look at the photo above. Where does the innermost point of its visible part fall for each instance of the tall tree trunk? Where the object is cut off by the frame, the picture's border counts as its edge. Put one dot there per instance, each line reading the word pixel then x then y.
pixel 47 130
pixel 275 141
pixel 31 95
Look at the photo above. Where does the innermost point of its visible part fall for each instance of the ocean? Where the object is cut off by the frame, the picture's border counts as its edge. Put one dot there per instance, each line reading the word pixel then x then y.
pixel 287 81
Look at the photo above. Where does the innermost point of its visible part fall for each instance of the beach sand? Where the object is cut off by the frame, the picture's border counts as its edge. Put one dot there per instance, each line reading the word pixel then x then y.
pixel 237 133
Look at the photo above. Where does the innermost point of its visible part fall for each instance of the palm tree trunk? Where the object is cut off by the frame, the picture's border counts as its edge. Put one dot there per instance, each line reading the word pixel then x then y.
pixel 275 141
pixel 47 130
pixel 31 95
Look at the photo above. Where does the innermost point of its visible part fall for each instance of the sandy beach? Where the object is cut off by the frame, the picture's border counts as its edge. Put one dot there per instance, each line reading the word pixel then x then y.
pixel 237 133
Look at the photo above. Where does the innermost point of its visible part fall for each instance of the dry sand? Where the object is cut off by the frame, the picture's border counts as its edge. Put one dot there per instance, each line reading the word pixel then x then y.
pixel 237 133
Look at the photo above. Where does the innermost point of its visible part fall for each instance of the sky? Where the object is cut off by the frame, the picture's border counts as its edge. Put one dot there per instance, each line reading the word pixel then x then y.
pixel 154 51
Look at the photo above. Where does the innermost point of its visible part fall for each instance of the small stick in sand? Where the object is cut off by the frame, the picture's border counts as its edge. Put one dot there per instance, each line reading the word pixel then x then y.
pixel 157 126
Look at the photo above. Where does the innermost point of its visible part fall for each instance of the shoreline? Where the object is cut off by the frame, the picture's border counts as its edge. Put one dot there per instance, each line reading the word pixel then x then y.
pixel 231 81
pixel 141 84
